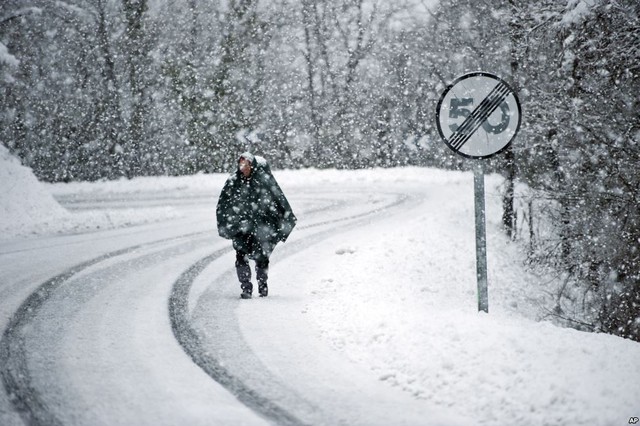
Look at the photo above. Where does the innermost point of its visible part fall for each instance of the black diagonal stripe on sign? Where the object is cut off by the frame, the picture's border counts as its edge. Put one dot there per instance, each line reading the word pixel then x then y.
pixel 463 128
pixel 464 137
pixel 479 116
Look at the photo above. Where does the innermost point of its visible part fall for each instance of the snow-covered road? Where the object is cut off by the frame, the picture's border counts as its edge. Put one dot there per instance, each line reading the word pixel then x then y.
pixel 371 317
pixel 64 301
pixel 93 341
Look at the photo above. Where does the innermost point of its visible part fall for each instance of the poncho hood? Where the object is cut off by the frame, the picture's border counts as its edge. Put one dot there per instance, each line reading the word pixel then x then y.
pixel 247 156
pixel 257 162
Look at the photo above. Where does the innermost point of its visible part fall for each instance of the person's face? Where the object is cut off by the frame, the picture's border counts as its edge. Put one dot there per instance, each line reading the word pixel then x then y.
pixel 245 167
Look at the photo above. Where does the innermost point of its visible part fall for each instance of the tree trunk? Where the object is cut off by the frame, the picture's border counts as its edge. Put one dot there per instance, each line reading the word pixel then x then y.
pixel 509 214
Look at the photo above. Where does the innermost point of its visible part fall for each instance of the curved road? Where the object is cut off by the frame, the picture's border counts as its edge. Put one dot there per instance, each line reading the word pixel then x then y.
pixel 144 326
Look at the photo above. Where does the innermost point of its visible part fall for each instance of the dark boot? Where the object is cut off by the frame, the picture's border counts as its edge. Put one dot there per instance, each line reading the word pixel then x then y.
pixel 262 274
pixel 244 276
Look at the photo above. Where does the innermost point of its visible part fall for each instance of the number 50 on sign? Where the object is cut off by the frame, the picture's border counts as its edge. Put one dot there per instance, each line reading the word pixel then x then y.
pixel 478 115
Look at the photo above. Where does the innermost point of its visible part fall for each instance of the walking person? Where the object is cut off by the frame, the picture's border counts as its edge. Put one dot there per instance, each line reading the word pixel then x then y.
pixel 253 212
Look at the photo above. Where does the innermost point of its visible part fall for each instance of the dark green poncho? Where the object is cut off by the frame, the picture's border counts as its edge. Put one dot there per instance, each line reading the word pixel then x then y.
pixel 254 206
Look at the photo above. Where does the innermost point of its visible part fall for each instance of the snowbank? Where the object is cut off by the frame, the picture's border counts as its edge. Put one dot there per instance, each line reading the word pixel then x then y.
pixel 28 207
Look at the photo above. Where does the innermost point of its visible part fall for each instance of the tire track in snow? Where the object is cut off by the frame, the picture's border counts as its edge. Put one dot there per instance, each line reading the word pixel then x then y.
pixel 15 374
pixel 189 338
pixel 14 371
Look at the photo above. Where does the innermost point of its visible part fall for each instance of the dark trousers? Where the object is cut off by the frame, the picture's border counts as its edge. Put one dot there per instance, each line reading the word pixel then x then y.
pixel 248 247
pixel 242 259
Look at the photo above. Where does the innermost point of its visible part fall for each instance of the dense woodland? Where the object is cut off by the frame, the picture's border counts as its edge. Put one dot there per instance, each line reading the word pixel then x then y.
pixel 104 89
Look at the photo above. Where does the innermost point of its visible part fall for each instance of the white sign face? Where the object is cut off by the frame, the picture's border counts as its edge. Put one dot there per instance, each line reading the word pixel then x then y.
pixel 478 115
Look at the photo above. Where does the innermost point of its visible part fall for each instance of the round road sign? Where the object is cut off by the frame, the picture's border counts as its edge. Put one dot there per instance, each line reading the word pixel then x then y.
pixel 478 115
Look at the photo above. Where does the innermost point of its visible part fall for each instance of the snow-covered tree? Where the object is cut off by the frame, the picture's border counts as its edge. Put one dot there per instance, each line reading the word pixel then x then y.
pixel 580 143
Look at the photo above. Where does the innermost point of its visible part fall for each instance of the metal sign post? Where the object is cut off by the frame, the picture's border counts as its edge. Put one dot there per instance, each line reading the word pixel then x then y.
pixel 481 237
pixel 478 116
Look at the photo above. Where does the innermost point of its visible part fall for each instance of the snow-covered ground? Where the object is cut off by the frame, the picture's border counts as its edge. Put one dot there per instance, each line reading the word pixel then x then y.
pixel 371 318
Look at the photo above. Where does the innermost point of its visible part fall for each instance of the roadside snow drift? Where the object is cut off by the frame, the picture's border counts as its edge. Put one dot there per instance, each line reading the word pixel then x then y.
pixel 27 206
